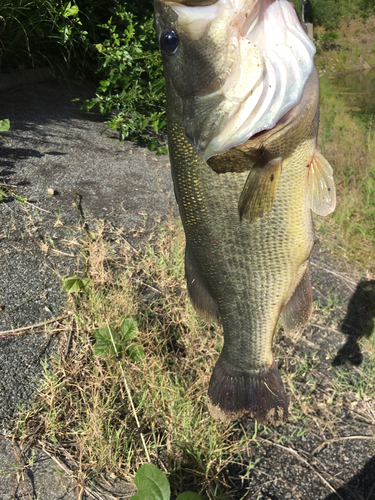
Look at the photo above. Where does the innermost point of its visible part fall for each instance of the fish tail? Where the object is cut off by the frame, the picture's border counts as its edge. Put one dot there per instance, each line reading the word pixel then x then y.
pixel 233 392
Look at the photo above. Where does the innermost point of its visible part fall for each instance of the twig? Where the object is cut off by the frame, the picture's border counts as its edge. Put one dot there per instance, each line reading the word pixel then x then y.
pixel 48 249
pixel 148 286
pixel 369 135
pixel 369 495
pixel 335 440
pixel 36 331
pixel 5 205
pixel 297 455
pixel 129 395
pixel 129 245
pixel 25 328
pixel 68 341
pixel 62 253
pixel 69 472
pixel 36 206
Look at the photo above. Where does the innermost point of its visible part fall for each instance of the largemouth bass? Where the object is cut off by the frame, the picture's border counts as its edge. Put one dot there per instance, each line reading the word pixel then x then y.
pixel 242 118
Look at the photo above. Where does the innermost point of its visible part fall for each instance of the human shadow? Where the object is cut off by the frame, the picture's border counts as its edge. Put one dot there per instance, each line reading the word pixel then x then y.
pixel 362 485
pixel 359 322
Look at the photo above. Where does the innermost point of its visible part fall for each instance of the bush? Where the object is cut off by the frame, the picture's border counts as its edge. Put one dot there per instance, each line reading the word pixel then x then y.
pixel 329 13
pixel 39 32
pixel 128 64
pixel 114 41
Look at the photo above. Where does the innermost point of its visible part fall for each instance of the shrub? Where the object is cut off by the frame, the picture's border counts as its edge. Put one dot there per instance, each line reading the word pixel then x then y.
pixel 128 64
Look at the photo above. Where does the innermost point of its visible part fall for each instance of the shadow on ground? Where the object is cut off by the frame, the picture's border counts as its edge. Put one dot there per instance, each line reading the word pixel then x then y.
pixel 358 323
pixel 361 486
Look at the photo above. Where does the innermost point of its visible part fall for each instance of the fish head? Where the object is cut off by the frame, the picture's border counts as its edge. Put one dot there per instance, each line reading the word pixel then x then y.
pixel 237 66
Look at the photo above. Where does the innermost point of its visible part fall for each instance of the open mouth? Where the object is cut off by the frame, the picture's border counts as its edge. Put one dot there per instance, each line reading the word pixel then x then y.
pixel 287 55
pixel 272 63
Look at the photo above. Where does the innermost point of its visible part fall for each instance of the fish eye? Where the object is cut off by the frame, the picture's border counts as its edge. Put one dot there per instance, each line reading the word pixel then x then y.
pixel 169 41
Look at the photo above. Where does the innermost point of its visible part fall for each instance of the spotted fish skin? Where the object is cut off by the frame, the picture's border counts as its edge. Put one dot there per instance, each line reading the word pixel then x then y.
pixel 247 255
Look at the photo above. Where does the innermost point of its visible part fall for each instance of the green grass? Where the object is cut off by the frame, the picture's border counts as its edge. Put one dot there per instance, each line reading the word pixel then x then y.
pixel 38 33
pixel 348 142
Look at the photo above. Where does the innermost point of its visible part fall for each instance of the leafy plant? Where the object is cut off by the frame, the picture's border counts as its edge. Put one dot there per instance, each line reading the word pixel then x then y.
pixel 41 32
pixel 129 64
pixel 328 40
pixel 4 125
pixel 75 284
pixel 123 340
pixel 153 485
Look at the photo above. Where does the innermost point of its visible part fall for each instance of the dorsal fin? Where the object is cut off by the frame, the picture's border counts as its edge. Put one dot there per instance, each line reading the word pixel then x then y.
pixel 321 193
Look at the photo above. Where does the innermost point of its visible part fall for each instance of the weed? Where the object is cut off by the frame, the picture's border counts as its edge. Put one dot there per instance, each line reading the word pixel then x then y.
pixel 357 51
pixel 166 365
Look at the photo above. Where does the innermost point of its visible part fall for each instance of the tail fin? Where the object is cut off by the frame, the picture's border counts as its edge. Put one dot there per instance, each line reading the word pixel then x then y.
pixel 232 393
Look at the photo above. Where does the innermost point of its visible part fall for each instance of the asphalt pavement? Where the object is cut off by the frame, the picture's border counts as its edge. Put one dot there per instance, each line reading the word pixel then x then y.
pixel 64 170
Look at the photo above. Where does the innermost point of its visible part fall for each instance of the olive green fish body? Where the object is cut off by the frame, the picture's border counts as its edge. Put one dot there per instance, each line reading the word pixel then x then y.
pixel 245 208
pixel 250 270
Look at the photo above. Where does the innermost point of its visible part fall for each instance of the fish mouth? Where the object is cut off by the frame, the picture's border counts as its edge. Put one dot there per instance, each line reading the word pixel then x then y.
pixel 269 60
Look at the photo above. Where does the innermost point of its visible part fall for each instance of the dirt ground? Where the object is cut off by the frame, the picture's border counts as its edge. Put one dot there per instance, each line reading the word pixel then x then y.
pixel 71 174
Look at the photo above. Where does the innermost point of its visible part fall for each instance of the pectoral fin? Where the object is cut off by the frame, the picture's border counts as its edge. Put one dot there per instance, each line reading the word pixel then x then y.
pixel 258 195
pixel 321 193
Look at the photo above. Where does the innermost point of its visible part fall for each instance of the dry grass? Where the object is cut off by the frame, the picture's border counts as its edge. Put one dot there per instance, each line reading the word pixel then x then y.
pixel 83 405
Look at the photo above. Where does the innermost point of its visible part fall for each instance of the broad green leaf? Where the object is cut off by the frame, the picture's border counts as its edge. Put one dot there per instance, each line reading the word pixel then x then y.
pixel 105 83
pixel 75 284
pixel 135 352
pixel 189 495
pixel 72 11
pixel 4 125
pixel 129 329
pixel 151 484
pixel 104 345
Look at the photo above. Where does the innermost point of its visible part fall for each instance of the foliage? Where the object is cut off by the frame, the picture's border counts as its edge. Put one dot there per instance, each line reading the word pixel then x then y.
pixel 37 33
pixel 328 40
pixel 153 485
pixel 75 284
pixel 130 68
pixel 114 41
pixel 4 125
pixel 124 340
pixel 329 13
